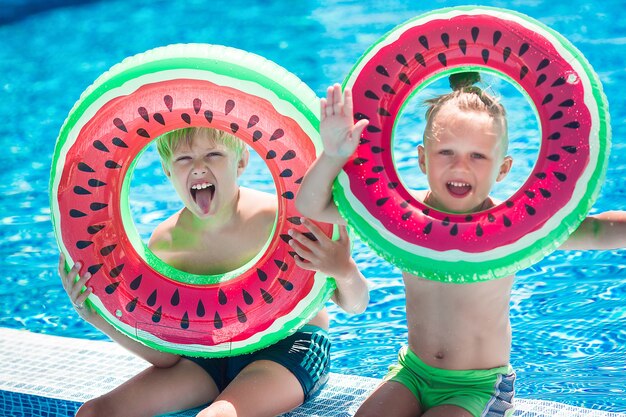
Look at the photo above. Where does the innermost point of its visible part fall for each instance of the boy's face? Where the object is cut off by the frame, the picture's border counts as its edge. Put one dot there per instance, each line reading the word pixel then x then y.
pixel 462 158
pixel 204 174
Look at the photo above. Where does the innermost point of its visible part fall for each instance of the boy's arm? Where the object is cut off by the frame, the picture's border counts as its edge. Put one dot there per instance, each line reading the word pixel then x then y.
pixel 340 137
pixel 601 231
pixel 332 257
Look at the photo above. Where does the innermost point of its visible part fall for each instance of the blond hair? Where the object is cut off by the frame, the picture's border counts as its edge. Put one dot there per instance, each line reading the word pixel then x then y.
pixel 467 97
pixel 168 142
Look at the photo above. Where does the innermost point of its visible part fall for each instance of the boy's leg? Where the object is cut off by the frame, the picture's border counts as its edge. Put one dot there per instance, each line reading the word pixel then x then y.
pixel 155 391
pixel 390 399
pixel 447 411
pixel 262 389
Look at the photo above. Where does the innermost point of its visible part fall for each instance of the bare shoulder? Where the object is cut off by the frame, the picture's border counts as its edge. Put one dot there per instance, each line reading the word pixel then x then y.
pixel 254 202
pixel 161 238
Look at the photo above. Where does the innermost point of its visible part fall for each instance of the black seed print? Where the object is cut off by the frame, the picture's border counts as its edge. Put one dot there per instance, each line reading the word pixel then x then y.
pixel 540 80
pixel 370 181
pixel 360 116
pixel 541 175
pixel 445 221
pixel 119 142
pixel 567 103
pixel 278 133
pixel 130 307
pixel 208 115
pixel 569 149
pixel 558 82
pixel 392 185
pixel 372 95
pixel 97 206
pixel 530 194
pixel 105 251
pixel 76 213
pixel 152 298
pixel 383 112
pixel 554 157
pixel 377 169
pixel 285 237
pixel 468 218
pixel 497 35
pixel 506 220
pixel 94 268
pixel 560 176
pixel 286 173
pixel 271 154
pixel 221 297
pixel 115 272
pixel 156 317
pixel 186 118
pixel 92 230
pixel 136 283
pixel 197 105
pixel 509 203
pixel 359 161
pixel 506 53
pixel 261 274
pixel 281 265
pixel 256 135
pixel 485 55
pixel 120 124
pixel 548 98
pixel 143 132
pixel 286 284
pixel 491 218
pixel 554 136
pixel 143 113
pixel 428 228
pixel 100 146
pixel 382 70
pixel 572 125
pixel 475 32
pixel 267 297
pixel 388 89
pixel 404 78
pixel 288 195
pixel 82 244
pixel 420 59
pixel 404 204
pixel 217 321
pixel 110 289
pixel 184 322
pixel 479 230
pixel 523 72
pixel 544 63
pixel 169 102
pixel 556 115
pixel 175 299
pixel 381 201
pixel 229 106
pixel 84 167
pixel 463 46
pixel 377 149
pixel 372 129
pixel 295 220
pixel 200 311
pixel 81 191
pixel 402 60
pixel 247 297
pixel 254 119
pixel 424 41
pixel 445 38
pixel 159 118
pixel 406 216
pixel 112 164
pixel 545 193
pixel 442 58
pixel 241 316
pixel 426 211
pixel 523 49
pixel 454 230
pixel 234 127
pixel 290 154
pixel 530 210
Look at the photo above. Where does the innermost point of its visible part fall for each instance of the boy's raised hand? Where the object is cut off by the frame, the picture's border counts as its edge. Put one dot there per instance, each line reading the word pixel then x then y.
pixel 74 288
pixel 340 135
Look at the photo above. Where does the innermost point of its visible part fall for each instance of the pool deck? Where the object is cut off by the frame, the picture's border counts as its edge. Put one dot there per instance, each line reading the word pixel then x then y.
pixel 42 375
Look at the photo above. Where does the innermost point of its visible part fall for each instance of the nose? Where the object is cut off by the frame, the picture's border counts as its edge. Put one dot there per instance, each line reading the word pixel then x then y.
pixel 460 163
pixel 199 168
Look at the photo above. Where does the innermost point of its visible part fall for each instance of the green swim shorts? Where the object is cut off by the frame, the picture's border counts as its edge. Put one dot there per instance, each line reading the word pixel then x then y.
pixel 484 392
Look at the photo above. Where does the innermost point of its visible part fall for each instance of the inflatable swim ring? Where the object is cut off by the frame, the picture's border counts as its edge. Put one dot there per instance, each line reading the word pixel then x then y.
pixel 561 188
pixel 107 129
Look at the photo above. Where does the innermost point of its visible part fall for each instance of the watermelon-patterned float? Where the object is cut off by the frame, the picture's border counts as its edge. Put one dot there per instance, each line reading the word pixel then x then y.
pixel 112 123
pixel 575 140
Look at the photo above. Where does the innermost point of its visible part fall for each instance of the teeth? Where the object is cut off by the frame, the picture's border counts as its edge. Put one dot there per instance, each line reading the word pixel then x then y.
pixel 201 186
pixel 458 184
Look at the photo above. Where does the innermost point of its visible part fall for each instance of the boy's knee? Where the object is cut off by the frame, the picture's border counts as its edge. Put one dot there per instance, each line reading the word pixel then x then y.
pixel 97 407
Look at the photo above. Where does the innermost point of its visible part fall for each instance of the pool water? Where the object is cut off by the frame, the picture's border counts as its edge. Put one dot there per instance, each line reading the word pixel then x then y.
pixel 568 311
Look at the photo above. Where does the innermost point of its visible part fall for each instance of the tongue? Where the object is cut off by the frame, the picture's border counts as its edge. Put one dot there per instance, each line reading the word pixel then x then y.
pixel 203 199
pixel 459 190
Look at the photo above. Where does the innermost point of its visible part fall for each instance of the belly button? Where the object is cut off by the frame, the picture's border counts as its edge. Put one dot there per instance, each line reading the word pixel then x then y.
pixel 439 355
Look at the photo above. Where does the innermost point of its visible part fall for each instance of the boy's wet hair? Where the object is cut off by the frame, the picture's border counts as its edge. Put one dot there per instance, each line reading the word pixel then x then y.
pixel 168 142
pixel 466 96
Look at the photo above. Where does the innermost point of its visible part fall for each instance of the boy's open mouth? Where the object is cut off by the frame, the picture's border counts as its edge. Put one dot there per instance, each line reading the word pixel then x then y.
pixel 203 194
pixel 458 189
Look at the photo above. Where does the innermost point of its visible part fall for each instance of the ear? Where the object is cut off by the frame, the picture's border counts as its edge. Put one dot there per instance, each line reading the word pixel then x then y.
pixel 421 157
pixel 505 167
pixel 168 174
pixel 243 161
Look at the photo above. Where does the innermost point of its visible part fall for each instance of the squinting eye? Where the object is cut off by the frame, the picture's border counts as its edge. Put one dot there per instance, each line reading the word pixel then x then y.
pixel 182 158
pixel 445 152
pixel 478 156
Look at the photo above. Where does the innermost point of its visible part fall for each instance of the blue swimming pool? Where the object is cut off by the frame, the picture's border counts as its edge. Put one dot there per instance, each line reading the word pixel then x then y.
pixel 568 311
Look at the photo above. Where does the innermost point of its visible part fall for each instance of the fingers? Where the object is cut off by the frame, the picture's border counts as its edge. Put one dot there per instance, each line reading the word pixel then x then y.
pixel 358 129
pixel 77 288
